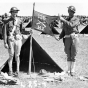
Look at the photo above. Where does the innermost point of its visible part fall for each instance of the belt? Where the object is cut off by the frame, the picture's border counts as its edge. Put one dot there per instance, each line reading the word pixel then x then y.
pixel 11 38
pixel 73 34
pixel 67 36
pixel 17 37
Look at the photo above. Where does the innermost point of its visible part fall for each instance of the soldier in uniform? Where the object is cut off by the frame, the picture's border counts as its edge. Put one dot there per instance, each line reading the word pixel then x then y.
pixel 13 39
pixel 4 17
pixel 70 37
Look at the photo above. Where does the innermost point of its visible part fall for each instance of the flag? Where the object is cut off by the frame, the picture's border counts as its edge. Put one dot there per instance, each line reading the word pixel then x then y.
pixel 44 23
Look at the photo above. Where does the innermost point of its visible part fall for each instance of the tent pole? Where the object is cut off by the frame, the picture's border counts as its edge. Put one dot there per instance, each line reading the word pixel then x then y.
pixel 30 55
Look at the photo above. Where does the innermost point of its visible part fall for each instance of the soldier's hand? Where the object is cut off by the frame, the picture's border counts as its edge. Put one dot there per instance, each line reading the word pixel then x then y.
pixel 58 17
pixel 6 45
pixel 31 32
pixel 57 38
pixel 62 19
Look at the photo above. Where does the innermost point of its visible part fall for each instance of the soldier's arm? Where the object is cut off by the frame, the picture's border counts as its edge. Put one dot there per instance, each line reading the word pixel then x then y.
pixel 5 33
pixel 72 24
pixel 6 20
pixel 62 34
pixel 21 29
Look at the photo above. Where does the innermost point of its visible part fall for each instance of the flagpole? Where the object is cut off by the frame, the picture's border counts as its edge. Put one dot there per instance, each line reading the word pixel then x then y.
pixel 31 51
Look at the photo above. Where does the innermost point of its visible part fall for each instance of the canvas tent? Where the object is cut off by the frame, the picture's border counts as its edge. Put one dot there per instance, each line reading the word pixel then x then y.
pixel 41 59
pixel 85 30
pixel 82 27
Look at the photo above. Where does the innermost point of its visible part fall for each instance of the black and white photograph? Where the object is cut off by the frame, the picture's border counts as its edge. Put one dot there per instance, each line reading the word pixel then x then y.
pixel 43 44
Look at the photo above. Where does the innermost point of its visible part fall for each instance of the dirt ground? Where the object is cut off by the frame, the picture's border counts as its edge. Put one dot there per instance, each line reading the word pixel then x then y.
pixel 62 81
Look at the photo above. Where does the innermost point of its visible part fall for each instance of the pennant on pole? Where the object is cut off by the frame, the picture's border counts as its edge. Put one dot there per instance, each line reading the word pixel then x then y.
pixel 43 22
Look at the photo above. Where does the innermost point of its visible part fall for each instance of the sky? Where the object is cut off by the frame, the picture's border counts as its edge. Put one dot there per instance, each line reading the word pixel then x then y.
pixel 49 7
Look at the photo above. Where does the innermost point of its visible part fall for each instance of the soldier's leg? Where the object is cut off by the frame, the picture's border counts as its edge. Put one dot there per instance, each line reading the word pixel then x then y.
pixel 68 52
pixel 11 55
pixel 18 45
pixel 74 50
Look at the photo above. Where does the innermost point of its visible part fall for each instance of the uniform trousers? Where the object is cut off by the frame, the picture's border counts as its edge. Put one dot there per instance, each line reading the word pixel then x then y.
pixel 14 48
pixel 71 44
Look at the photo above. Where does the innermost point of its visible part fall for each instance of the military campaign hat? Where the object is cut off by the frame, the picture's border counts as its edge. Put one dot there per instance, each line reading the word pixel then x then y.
pixel 13 9
pixel 72 8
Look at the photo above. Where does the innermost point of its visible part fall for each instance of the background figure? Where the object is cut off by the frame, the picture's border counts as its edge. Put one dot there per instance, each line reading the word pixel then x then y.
pixel 4 17
pixel 70 37
pixel 13 39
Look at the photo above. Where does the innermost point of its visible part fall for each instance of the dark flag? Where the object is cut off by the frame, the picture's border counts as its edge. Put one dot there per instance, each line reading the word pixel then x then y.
pixel 44 23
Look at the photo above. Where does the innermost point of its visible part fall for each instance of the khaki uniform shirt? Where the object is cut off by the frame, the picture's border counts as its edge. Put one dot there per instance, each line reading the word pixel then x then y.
pixel 9 27
pixel 70 25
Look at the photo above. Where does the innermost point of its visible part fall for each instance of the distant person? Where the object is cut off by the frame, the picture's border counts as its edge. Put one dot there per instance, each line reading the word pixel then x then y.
pixel 4 17
pixel 13 39
pixel 1 26
pixel 70 37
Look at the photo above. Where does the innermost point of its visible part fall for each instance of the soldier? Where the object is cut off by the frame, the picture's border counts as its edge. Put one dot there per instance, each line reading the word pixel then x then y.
pixel 4 17
pixel 13 38
pixel 70 37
